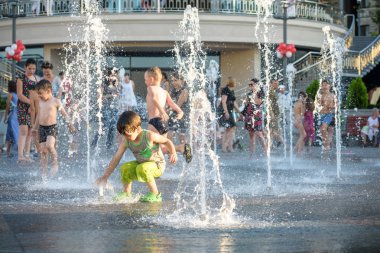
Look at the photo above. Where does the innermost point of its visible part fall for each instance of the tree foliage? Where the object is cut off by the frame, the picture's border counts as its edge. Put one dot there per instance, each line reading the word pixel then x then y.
pixel 312 89
pixel 357 95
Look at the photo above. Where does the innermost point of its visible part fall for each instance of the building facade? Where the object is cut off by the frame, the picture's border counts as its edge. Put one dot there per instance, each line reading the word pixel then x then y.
pixel 141 32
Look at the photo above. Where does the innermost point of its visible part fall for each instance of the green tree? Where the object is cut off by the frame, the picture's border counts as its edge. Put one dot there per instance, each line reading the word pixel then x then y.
pixel 357 95
pixel 312 89
pixel 3 102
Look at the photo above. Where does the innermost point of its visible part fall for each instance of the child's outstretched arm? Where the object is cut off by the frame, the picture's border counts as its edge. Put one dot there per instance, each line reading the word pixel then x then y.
pixel 113 164
pixel 156 138
pixel 174 106
pixel 65 115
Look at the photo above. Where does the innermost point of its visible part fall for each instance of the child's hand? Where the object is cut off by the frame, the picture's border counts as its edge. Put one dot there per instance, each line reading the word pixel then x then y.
pixel 164 116
pixel 71 128
pixel 180 115
pixel 173 158
pixel 101 180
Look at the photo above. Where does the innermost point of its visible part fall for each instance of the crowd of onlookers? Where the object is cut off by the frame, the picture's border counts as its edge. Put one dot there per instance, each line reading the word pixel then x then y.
pixel 271 114
pixel 268 113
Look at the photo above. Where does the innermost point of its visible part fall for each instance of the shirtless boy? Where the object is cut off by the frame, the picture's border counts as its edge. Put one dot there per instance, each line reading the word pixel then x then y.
pixel 156 99
pixel 46 120
pixel 326 105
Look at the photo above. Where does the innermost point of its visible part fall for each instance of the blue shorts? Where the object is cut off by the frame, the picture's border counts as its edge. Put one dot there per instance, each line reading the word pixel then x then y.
pixel 327 118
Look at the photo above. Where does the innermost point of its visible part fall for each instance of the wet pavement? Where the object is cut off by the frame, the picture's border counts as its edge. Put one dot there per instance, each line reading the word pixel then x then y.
pixel 306 209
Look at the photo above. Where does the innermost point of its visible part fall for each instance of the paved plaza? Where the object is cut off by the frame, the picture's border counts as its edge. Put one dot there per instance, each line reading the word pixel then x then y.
pixel 306 209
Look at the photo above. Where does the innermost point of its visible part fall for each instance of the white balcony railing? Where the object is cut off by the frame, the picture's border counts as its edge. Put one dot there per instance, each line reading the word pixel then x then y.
pixel 305 9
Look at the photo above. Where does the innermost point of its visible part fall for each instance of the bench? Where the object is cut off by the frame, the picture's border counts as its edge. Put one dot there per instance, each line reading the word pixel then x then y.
pixel 355 124
pixel 352 131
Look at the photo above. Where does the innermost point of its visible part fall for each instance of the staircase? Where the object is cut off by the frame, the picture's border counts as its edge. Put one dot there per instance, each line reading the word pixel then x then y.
pixel 6 73
pixel 362 56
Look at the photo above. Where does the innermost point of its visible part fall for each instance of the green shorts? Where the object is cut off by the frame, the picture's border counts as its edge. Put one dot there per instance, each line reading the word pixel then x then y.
pixel 143 172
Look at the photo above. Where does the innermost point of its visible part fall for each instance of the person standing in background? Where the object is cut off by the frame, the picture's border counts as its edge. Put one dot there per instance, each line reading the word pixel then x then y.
pixel 10 117
pixel 47 71
pixel 25 84
pixel 128 100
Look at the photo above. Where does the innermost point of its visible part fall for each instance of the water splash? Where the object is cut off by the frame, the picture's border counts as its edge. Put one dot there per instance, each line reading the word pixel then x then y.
pixel 200 198
pixel 332 66
pixel 264 12
pixel 290 74
pixel 212 74
pixel 85 62
pixel 335 48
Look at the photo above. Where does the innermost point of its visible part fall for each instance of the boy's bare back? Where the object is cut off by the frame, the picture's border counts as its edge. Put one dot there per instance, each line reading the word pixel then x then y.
pixel 155 98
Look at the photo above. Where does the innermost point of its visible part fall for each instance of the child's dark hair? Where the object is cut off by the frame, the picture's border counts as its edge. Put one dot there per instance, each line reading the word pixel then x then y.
pixel 47 65
pixel 302 94
pixel 177 76
pixel 12 86
pixel 30 61
pixel 129 121
pixel 309 104
pixel 43 85
pixel 255 80
pixel 164 75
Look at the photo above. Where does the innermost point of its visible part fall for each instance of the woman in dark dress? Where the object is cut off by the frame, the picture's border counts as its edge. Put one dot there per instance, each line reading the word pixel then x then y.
pixel 226 118
pixel 25 85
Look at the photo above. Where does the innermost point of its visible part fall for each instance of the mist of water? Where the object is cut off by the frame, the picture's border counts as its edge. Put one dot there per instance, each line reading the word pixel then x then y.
pixel 333 49
pixel 261 33
pixel 200 198
pixel 290 74
pixel 84 63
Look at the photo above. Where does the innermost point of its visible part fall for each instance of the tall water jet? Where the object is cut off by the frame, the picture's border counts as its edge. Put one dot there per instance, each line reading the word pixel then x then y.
pixel 85 63
pixel 263 13
pixel 290 74
pixel 212 73
pixel 335 48
pixel 332 67
pixel 200 197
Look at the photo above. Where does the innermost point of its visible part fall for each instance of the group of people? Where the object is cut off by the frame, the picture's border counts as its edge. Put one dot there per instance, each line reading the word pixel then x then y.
pixel 273 110
pixel 32 107
pixel 34 103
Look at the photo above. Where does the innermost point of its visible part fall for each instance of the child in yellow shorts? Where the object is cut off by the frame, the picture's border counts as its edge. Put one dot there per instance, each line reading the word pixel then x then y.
pixel 149 163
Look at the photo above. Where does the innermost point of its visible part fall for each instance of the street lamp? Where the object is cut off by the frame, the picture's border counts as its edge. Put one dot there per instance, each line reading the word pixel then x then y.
pixel 286 10
pixel 14 14
pixel 285 6
pixel 359 2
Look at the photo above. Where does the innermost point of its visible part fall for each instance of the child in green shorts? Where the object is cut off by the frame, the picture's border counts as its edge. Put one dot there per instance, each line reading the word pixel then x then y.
pixel 149 163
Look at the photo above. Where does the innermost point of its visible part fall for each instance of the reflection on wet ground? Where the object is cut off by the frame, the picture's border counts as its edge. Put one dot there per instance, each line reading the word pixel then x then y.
pixel 307 210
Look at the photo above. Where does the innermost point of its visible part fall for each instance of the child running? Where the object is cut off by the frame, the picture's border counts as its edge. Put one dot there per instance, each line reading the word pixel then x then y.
pixel 156 99
pixel 149 163
pixel 46 120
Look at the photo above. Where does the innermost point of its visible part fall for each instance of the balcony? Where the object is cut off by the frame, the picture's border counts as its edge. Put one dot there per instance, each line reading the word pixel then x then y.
pixel 309 10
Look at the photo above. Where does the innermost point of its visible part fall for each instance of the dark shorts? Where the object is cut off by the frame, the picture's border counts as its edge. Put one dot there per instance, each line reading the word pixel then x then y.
pixel 45 131
pixel 159 125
